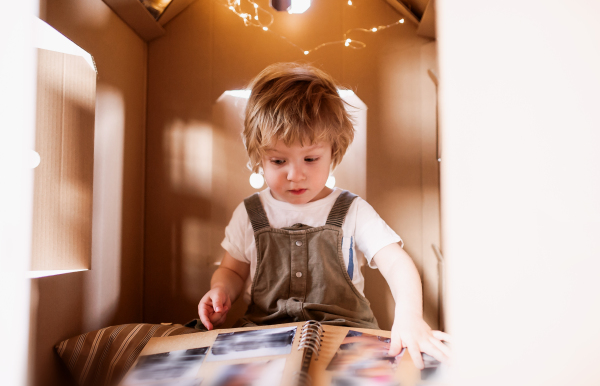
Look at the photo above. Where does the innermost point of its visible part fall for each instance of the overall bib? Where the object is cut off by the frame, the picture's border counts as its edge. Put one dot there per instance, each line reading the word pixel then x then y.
pixel 300 273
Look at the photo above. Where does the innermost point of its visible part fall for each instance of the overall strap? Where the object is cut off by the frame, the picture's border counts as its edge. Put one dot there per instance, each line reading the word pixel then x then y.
pixel 256 212
pixel 340 208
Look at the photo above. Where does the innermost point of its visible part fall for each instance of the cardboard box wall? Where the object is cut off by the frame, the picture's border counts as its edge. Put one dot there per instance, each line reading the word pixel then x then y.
pixel 63 181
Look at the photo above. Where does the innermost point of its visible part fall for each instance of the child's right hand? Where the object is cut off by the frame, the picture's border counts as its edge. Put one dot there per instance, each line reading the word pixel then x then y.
pixel 213 308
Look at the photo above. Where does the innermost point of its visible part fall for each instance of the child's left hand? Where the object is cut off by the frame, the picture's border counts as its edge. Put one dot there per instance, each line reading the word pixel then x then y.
pixel 413 333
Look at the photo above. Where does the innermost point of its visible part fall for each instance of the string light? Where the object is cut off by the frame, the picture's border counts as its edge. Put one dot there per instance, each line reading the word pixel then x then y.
pixel 236 7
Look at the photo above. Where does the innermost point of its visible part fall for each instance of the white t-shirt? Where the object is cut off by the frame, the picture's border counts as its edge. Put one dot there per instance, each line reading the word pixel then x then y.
pixel 363 229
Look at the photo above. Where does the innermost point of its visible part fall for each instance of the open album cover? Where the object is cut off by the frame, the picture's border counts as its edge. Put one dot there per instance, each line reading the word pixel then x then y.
pixel 294 354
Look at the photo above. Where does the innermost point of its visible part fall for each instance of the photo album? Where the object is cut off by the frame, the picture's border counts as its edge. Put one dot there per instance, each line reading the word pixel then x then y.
pixel 293 354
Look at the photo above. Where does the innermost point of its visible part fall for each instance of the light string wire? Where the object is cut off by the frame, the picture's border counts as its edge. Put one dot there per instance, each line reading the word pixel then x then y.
pixel 250 20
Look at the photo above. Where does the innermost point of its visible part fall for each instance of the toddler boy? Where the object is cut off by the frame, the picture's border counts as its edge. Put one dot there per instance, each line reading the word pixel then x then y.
pixel 291 249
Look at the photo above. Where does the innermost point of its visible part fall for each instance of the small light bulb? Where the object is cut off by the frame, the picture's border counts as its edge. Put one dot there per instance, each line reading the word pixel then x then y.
pixel 34 159
pixel 231 8
pixel 374 29
pixel 349 2
pixel 401 20
pixel 330 182
pixel 348 40
pixel 305 52
pixel 255 5
pixel 265 28
pixel 346 44
pixel 256 180
pixel 255 17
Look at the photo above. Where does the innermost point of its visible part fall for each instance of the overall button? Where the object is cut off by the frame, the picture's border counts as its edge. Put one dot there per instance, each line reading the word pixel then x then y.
pixel 298 274
pixel 299 243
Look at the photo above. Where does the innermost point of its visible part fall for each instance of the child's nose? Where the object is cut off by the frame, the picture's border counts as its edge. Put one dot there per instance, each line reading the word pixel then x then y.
pixel 295 173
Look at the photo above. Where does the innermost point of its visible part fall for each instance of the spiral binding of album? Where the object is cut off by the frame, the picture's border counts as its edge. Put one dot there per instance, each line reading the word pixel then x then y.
pixel 310 341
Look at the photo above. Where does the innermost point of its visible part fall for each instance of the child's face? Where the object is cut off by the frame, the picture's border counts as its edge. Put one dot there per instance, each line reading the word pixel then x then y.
pixel 297 174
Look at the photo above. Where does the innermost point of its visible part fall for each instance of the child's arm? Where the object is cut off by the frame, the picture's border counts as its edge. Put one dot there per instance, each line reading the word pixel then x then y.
pixel 226 285
pixel 409 329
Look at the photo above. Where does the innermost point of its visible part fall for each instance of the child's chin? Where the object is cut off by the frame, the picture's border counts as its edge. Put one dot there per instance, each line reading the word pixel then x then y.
pixel 299 199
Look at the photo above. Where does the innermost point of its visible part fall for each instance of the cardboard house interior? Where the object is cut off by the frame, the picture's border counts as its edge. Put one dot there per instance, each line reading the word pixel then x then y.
pixel 168 167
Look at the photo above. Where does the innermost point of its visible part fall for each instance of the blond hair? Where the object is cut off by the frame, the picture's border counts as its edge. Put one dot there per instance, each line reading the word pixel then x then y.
pixel 295 102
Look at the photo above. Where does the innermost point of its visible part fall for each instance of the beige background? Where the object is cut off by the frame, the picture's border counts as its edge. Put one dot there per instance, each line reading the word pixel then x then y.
pixel 158 213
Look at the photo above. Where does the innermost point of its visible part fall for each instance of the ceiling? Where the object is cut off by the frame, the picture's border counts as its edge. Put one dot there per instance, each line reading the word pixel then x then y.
pixel 416 6
pixel 419 12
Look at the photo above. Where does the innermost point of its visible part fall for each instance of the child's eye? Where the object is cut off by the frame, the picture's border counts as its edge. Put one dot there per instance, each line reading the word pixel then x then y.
pixel 277 161
pixel 311 159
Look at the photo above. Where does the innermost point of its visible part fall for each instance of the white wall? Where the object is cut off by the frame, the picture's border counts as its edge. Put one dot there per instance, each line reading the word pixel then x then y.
pixel 521 189
pixel 17 109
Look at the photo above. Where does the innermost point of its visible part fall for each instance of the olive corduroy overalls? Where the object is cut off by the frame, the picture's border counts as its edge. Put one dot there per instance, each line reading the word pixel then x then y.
pixel 300 272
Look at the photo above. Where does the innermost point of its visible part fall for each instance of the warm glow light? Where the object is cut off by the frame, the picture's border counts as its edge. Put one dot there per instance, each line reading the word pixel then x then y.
pixel 53 272
pixel 295 6
pixel 48 38
pixel 257 180
pixel 238 93
pixel 33 159
pixel 299 6
pixel 345 93
pixel 330 182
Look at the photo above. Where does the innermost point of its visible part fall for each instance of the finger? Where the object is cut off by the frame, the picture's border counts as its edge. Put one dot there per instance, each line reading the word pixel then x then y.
pixel 395 347
pixel 442 336
pixel 216 316
pixel 206 321
pixel 435 352
pixel 206 311
pixel 415 354
pixel 221 320
pixel 442 347
pixel 218 302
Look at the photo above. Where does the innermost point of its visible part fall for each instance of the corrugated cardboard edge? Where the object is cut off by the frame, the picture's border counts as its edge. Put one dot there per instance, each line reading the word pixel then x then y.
pixel 48 38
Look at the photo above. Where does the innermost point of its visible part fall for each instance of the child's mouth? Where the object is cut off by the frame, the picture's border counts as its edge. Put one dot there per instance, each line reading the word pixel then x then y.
pixel 297 191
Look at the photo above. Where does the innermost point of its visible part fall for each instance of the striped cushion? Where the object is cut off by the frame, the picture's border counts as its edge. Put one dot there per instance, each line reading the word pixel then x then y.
pixel 103 357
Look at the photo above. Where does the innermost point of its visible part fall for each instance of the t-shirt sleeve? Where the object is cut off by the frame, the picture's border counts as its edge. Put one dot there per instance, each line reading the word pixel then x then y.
pixel 372 233
pixel 235 234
